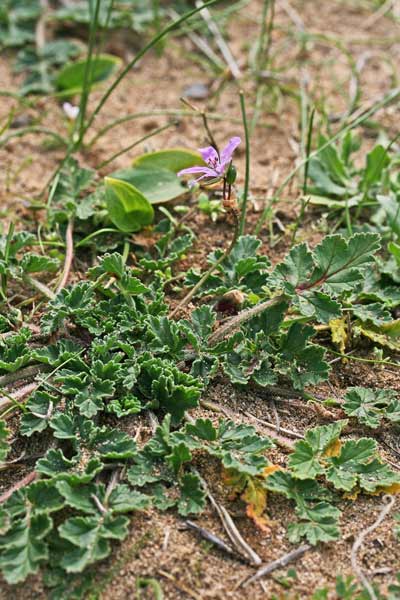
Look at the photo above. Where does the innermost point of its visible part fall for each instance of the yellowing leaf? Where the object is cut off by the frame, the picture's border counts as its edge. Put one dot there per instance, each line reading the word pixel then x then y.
pixel 255 497
pixel 235 480
pixel 253 492
pixel 334 449
pixel 387 334
pixel 352 495
pixel 339 333
pixel 388 489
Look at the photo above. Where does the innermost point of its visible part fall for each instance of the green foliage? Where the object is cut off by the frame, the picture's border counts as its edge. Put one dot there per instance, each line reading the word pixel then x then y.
pixel 17 22
pixel 70 79
pixel 132 14
pixel 117 354
pixel 127 207
pixel 351 467
pixel 18 263
pixel 40 65
pixel 173 159
pixel 71 182
pixel 370 406
pixel 244 269
pixel 156 185
pixel 338 182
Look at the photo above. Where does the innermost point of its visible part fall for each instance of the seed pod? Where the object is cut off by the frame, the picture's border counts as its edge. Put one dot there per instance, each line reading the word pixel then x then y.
pixel 231 174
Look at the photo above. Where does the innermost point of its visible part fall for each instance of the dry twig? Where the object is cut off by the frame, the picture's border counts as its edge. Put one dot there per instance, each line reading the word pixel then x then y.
pixel 277 564
pixel 17 486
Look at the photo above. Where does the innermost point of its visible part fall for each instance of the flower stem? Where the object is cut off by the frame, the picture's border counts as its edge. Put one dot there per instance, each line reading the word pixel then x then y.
pixel 247 171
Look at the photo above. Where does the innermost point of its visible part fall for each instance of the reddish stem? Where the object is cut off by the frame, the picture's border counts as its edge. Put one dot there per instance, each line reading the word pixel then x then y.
pixel 17 486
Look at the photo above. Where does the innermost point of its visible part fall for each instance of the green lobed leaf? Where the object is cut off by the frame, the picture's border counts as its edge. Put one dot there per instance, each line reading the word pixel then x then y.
pixel 23 548
pixel 318 524
pixel 370 406
pixel 90 536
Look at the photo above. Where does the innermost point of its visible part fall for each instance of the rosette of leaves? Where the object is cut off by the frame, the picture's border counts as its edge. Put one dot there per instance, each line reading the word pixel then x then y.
pixel 160 464
pixel 30 534
pixel 350 466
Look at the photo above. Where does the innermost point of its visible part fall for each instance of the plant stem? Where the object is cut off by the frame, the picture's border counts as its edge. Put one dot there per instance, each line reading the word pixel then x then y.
pixel 40 287
pixel 32 129
pixel 194 113
pixel 136 143
pixel 69 255
pixel 247 169
pixel 244 316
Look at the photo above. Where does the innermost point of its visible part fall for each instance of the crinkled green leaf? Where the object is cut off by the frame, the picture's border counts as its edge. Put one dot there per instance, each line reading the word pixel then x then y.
pixel 357 464
pixel 39 411
pixel 317 524
pixel 370 406
pixel 193 496
pixel 23 548
pixel 91 537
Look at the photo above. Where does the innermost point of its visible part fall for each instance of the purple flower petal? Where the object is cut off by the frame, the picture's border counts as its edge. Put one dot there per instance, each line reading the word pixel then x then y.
pixel 210 156
pixel 194 181
pixel 205 170
pixel 226 154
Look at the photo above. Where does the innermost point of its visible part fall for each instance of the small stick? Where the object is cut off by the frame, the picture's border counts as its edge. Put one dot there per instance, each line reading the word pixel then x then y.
pixel 386 508
pixel 277 428
pixel 166 539
pixel 99 505
pixel 26 373
pixel 211 537
pixel 17 486
pixel 278 563
pixel 222 45
pixel 381 12
pixel 216 408
pixel 276 415
pixel 69 255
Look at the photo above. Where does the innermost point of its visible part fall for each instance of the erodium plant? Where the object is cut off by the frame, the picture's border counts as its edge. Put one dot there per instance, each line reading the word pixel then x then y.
pixel 115 353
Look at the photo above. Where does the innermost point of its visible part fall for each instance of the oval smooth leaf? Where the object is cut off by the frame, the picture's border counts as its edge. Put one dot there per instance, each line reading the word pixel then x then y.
pixel 70 79
pixel 127 208
pixel 157 185
pixel 174 159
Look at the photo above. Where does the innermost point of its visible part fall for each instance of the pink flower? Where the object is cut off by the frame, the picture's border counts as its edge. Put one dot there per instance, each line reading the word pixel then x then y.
pixel 217 163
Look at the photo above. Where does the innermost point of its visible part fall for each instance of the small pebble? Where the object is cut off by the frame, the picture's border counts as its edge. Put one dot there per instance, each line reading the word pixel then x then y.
pixel 196 91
